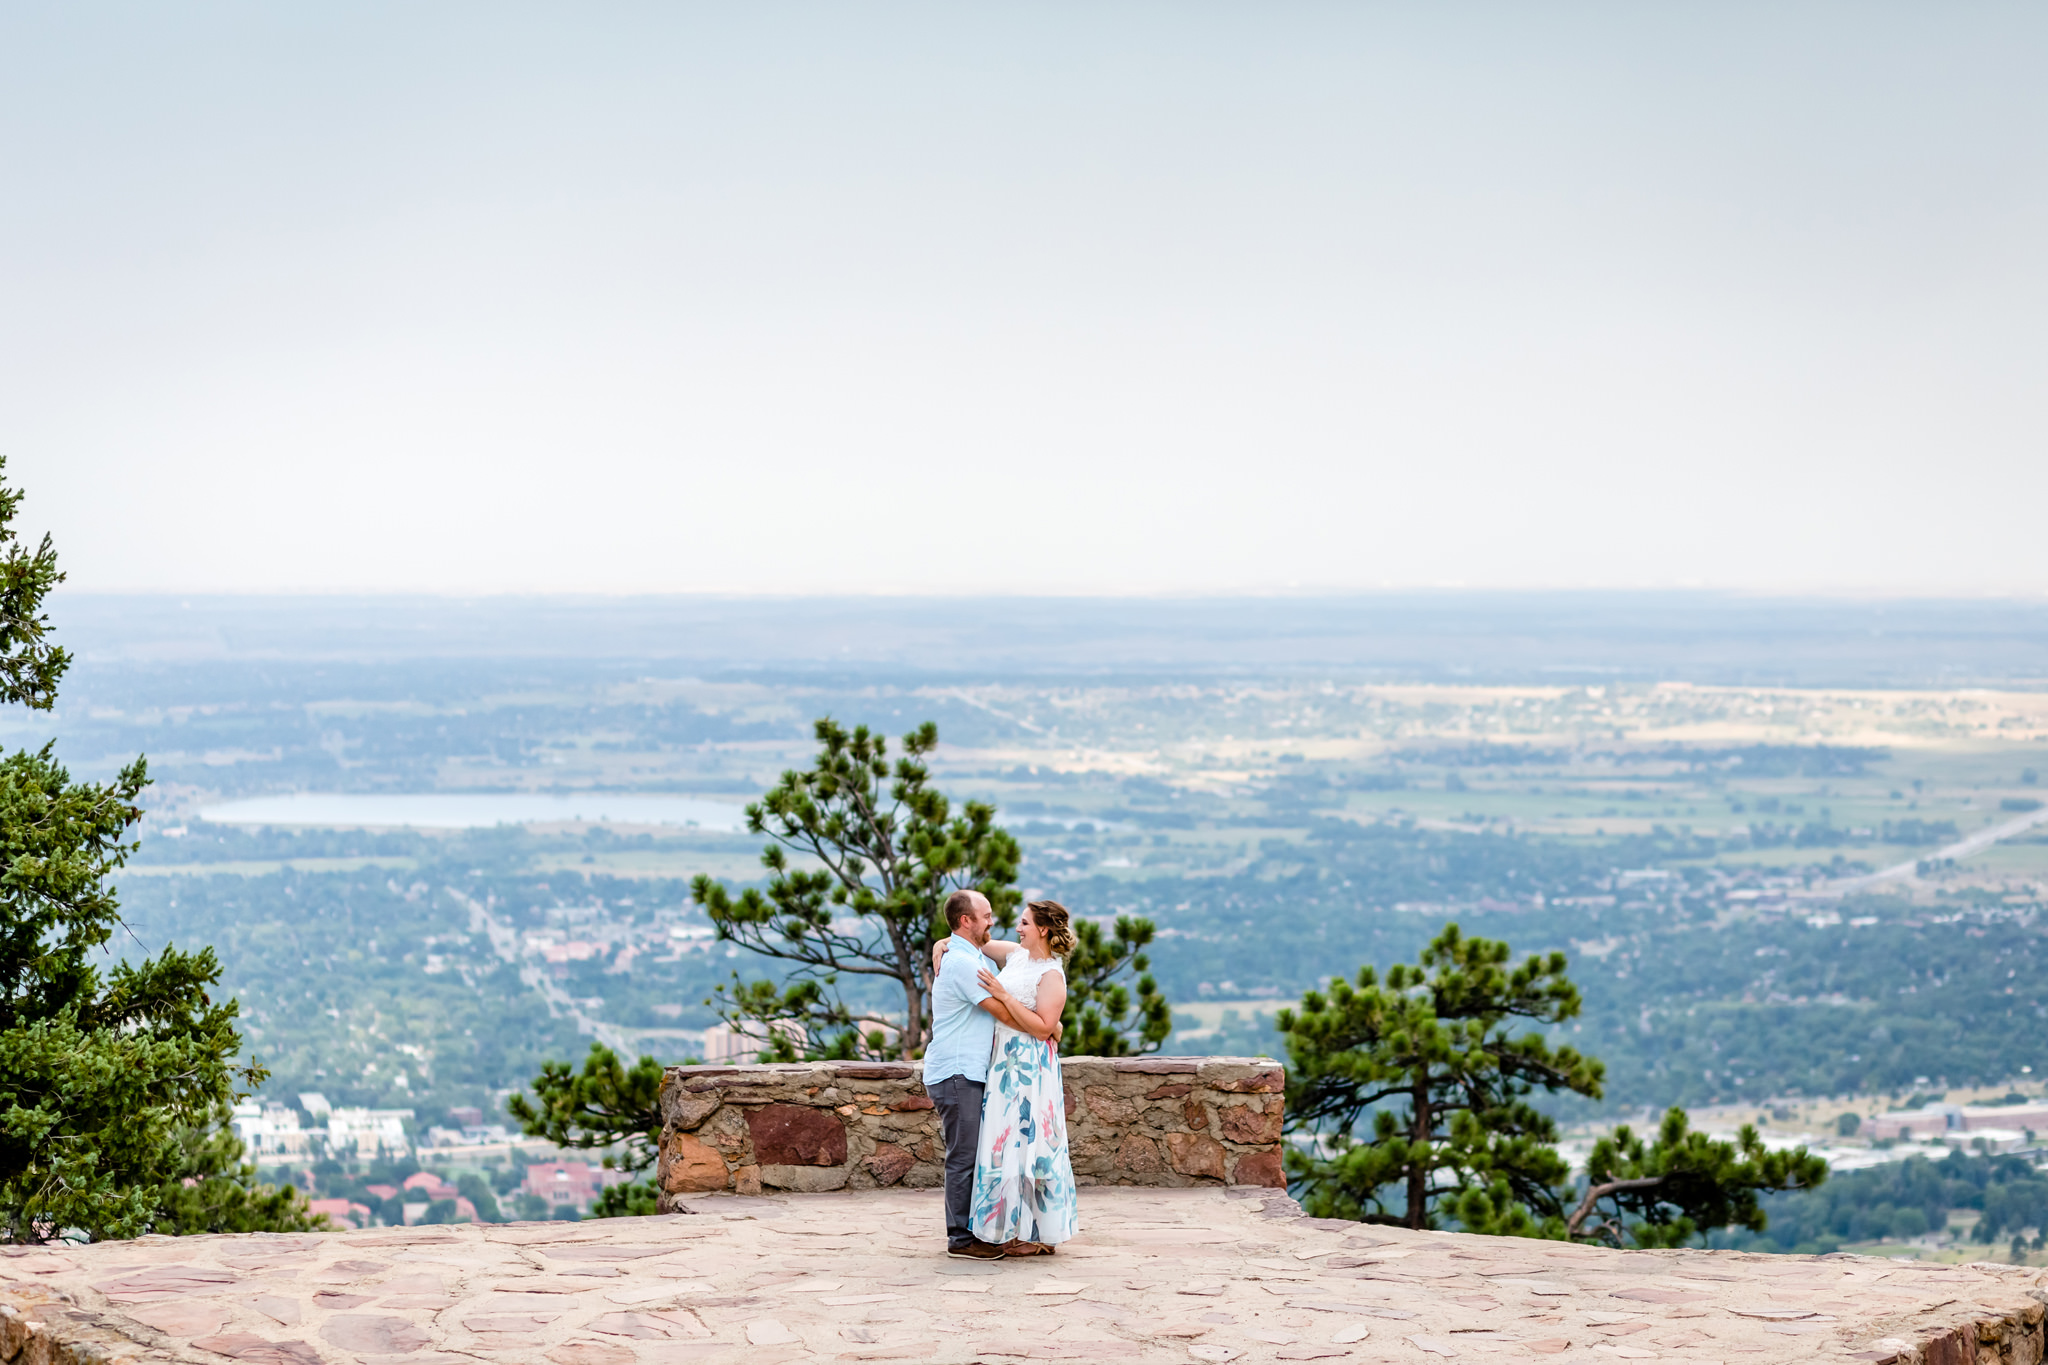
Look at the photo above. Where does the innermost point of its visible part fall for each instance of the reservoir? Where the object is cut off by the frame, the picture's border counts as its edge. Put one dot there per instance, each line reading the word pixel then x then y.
pixel 474 810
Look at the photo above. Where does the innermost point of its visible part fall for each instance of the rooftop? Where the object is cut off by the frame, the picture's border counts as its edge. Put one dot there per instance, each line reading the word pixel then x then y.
pixel 1198 1274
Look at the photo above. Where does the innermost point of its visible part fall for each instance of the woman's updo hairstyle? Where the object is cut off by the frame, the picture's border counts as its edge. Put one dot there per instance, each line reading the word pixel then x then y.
pixel 1052 917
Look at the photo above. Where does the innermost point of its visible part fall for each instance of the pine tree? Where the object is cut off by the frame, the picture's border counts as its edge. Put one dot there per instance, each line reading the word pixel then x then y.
pixel 1436 1064
pixel 1418 1084
pixel 889 851
pixel 114 1082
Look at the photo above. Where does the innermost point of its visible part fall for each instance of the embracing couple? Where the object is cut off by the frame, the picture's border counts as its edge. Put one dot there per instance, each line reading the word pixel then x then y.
pixel 993 1071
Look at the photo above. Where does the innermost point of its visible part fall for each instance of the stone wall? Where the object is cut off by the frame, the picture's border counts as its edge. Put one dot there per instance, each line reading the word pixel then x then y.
pixel 815 1126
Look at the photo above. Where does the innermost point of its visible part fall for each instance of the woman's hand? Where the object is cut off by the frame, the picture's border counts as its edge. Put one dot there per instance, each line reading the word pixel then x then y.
pixel 992 984
pixel 939 953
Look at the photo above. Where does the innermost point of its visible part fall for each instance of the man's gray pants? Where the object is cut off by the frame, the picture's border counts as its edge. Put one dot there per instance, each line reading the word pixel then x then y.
pixel 958 1101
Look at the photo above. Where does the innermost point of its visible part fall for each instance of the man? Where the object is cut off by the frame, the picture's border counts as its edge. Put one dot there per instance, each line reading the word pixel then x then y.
pixel 956 1062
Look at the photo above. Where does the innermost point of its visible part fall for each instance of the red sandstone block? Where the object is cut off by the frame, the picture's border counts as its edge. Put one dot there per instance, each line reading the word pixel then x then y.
pixel 1260 1168
pixel 1193 1154
pixel 796 1135
pixel 1265 1082
pixel 889 1163
pixel 1242 1123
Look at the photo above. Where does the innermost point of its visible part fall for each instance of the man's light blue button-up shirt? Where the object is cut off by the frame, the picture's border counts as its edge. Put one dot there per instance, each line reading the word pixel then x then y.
pixel 963 1034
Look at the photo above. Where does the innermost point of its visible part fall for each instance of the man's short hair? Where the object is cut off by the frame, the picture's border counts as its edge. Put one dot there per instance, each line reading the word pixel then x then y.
pixel 959 906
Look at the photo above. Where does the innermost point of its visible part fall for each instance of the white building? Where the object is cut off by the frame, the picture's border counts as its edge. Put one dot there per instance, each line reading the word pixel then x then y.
pixel 271 1130
pixel 367 1133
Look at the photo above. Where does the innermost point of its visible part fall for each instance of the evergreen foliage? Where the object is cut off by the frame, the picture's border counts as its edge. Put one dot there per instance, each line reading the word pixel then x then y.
pixel 891 851
pixel 604 1105
pixel 30 666
pixel 1102 1018
pixel 1432 1060
pixel 1662 1194
pixel 1432 1066
pixel 634 1199
pixel 223 1193
pixel 113 1084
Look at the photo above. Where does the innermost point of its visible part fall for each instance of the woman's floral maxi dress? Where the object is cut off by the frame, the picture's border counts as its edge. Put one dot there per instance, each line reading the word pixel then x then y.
pixel 1023 1183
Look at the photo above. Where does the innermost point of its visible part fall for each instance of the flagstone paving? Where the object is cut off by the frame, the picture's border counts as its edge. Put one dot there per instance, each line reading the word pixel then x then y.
pixel 1157 1275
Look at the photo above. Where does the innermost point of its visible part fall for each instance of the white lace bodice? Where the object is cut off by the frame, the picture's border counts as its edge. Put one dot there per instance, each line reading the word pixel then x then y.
pixel 1020 977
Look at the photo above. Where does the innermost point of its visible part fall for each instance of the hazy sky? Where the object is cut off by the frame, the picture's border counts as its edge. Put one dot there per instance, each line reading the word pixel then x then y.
pixel 1027 296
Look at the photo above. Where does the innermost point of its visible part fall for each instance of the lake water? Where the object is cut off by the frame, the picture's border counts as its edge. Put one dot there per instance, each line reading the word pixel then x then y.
pixel 473 810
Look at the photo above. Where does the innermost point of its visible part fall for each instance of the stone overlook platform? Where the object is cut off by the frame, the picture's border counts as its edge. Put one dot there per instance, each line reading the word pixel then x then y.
pixel 1199 1273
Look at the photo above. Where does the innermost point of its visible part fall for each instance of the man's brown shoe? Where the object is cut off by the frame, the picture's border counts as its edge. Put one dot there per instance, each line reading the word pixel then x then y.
pixel 977 1251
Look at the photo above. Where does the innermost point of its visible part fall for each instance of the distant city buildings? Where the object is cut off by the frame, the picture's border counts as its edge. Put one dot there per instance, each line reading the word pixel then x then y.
pixel 2003 1126
pixel 468 1130
pixel 424 1189
pixel 271 1131
pixel 558 953
pixel 366 1134
pixel 341 1212
pixel 569 1185
pixel 315 1130
pixel 724 1043
pixel 469 1135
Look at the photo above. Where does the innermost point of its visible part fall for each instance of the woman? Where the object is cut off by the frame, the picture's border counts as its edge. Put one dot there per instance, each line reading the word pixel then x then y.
pixel 1024 1197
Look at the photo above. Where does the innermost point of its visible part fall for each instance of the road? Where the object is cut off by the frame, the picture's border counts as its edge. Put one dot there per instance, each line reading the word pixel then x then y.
pixel 1961 848
pixel 505 943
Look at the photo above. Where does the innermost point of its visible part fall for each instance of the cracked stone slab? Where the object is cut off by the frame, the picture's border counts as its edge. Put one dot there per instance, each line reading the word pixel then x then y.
pixel 1181 1275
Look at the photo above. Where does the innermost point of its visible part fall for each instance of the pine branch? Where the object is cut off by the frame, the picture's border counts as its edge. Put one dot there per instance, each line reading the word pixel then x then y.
pixel 1596 1193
